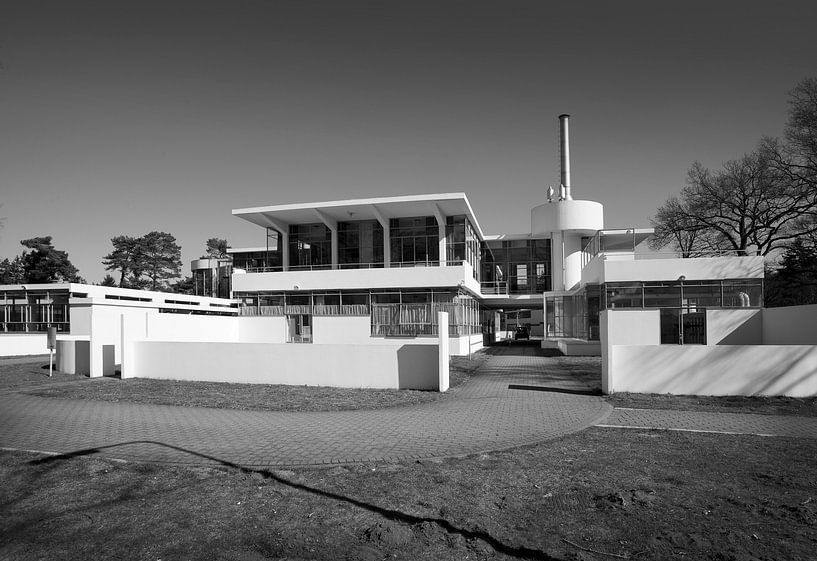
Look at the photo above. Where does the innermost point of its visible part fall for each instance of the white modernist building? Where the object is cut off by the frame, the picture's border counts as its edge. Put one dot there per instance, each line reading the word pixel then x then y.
pixel 368 270
pixel 378 292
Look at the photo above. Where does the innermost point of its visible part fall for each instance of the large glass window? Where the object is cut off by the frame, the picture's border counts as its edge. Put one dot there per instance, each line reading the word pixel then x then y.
pixel 360 244
pixel 414 241
pixel 516 266
pixel 310 246
pixel 34 311
pixel 689 295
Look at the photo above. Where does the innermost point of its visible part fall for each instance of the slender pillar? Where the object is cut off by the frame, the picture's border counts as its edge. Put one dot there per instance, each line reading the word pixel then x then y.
pixel 443 247
pixel 443 372
pixel 384 223
pixel 332 224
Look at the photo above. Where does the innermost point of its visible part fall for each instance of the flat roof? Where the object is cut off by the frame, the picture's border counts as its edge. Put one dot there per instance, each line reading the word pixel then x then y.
pixel 407 206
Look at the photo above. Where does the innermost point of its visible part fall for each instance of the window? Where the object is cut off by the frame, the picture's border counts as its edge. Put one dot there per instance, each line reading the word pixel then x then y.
pixel 299 328
pixel 415 241
pixel 310 246
pixel 360 244
pixel 682 327
pixel 523 264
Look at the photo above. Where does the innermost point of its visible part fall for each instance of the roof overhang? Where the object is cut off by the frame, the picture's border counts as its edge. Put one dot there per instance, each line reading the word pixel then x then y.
pixel 445 204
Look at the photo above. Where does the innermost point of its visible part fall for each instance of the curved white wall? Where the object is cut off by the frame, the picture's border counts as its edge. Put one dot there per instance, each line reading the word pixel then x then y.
pixel 584 216
pixel 567 221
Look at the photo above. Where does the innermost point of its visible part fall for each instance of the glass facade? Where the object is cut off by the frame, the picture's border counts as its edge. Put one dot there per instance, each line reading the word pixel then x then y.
pixel 414 241
pixel 310 247
pixel 34 311
pixel 360 244
pixel 214 281
pixel 741 293
pixel 516 266
pixel 393 312
pixel 462 243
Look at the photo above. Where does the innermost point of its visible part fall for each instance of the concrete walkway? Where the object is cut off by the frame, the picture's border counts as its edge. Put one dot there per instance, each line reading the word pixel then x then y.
pixel 486 413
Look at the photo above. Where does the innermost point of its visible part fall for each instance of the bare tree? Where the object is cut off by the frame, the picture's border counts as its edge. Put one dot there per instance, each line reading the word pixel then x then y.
pixel 746 205
pixel 764 201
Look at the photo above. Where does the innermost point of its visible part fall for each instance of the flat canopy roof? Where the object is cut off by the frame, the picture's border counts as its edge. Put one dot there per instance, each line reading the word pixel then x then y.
pixel 380 208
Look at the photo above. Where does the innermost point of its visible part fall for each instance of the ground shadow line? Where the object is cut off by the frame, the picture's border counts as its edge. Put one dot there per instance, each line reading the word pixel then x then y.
pixel 520 552
pixel 554 390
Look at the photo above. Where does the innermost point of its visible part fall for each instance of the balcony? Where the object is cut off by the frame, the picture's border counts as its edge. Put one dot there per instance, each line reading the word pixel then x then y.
pixel 426 274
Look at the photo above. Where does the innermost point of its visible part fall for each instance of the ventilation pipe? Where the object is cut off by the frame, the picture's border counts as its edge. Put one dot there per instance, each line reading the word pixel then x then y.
pixel 564 190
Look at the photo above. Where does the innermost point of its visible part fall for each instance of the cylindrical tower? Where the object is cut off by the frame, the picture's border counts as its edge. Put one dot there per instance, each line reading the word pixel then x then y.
pixel 567 221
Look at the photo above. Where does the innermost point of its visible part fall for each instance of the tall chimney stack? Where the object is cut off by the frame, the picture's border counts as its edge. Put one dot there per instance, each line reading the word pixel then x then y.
pixel 565 146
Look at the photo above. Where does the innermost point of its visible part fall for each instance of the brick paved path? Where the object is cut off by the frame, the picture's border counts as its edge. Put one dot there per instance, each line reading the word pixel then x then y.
pixel 484 414
pixel 732 423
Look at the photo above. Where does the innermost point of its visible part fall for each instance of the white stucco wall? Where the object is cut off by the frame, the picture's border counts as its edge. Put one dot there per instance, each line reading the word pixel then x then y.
pixel 625 327
pixel 262 329
pixel 22 344
pixel 715 370
pixel 73 355
pixel 792 325
pixel 348 279
pixel 183 327
pixel 623 270
pixel 734 327
pixel 358 366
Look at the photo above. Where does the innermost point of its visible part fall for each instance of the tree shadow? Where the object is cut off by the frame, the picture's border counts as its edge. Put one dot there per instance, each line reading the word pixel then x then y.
pixel 520 552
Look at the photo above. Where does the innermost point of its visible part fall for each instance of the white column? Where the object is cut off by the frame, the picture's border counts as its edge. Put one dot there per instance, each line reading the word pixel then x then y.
pixel 443 373
pixel 284 250
pixel 384 223
pixel 334 232
pixel 438 214
pixel 332 224
pixel 386 246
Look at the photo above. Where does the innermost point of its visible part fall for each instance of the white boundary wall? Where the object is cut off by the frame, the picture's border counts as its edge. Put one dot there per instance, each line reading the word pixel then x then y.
pixel 748 352
pixel 792 325
pixel 355 366
pixel 23 344
pixel 414 364
pixel 715 370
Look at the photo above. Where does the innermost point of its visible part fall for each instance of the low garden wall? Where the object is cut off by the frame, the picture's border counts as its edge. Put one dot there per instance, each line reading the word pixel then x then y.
pixel 23 344
pixel 713 370
pixel 397 366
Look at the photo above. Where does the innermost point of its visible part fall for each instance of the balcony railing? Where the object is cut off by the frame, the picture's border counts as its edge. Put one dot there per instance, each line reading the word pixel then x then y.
pixel 494 287
pixel 324 267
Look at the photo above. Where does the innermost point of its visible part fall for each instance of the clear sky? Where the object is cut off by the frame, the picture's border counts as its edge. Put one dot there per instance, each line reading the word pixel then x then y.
pixel 129 116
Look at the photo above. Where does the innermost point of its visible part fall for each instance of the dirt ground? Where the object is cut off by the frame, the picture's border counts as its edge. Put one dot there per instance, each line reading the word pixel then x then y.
pixel 598 494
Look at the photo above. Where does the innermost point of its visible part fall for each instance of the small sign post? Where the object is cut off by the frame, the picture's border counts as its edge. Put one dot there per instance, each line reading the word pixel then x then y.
pixel 52 343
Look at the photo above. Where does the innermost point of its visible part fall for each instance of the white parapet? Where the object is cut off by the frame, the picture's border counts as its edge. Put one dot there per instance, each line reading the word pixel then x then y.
pixel 345 279
pixel 567 216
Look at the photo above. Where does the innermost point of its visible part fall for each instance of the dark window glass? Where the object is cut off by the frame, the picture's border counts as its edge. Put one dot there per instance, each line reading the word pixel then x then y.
pixel 662 296
pixel 670 327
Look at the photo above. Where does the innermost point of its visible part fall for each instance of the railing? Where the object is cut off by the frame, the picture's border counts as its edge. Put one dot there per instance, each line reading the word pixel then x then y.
pixel 494 287
pixel 380 265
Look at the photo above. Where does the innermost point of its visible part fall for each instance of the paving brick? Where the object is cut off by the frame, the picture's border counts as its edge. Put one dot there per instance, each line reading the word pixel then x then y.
pixel 481 415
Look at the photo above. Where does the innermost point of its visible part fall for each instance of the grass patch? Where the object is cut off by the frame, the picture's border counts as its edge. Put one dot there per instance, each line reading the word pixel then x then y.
pixel 259 397
pixel 636 494
pixel 21 373
pixel 764 405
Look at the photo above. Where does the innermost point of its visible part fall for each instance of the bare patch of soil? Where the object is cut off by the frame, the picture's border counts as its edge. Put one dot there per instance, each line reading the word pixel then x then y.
pixel 634 495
